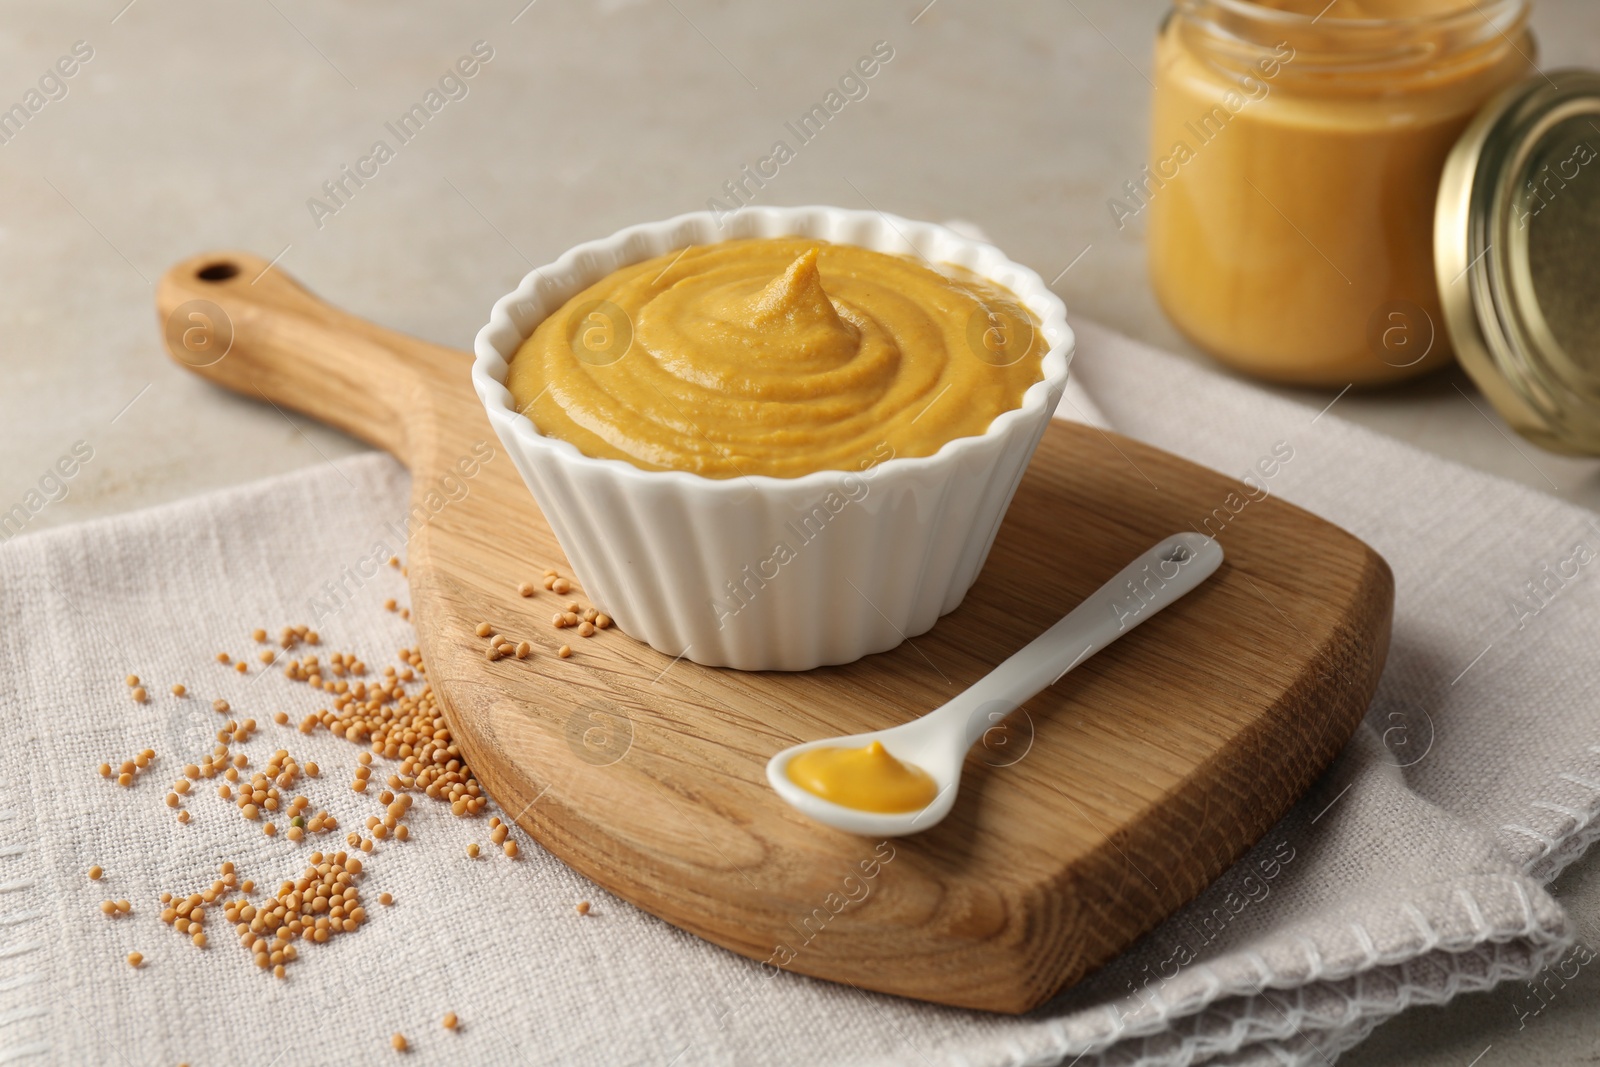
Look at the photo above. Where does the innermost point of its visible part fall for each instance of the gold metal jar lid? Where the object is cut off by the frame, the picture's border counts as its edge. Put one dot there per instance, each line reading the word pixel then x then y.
pixel 1517 252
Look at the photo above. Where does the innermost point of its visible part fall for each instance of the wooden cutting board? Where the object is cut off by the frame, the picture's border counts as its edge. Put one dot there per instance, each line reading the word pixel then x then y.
pixel 1095 811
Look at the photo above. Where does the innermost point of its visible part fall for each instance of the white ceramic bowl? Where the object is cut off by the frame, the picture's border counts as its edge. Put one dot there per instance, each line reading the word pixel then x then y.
pixel 690 564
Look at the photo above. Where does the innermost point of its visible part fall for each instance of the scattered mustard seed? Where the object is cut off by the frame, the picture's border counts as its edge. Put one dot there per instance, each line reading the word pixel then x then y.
pixel 180 690
pixel 472 849
pixel 398 1041
pixel 450 1021
pixel 565 651
pixel 526 589
pixel 583 907
pixel 95 872
pixel 135 958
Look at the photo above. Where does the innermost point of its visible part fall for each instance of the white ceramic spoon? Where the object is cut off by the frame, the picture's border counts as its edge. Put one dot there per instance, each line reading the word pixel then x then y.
pixel 938 741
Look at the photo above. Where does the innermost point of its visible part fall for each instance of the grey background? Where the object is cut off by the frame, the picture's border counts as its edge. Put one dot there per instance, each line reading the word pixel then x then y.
pixel 209 124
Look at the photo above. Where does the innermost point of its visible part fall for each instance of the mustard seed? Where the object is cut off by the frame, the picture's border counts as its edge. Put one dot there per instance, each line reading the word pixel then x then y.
pixel 602 620
pixel 583 907
pixel 241 667
pixel 219 706
pixel 586 629
pixel 385 899
pixel 95 872
pixel 105 770
pixel 561 586
pixel 109 907
pixel 450 1021
pixel 135 958
pixel 223 657
pixel 472 849
pixel 526 589
pixel 139 694
pixel 179 690
pixel 565 651
pixel 133 680
pixel 172 800
pixel 399 1042
pixel 510 849
pixel 259 635
pixel 523 649
pixel 484 629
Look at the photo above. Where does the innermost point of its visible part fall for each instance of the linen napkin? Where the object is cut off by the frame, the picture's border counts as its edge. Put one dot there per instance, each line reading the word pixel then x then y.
pixel 1414 870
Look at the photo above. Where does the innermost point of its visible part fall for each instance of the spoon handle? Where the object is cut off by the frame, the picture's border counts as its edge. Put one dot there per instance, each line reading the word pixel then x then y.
pixel 1151 582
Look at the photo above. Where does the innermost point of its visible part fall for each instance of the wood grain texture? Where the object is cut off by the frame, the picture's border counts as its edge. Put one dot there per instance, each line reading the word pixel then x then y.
pixel 1098 809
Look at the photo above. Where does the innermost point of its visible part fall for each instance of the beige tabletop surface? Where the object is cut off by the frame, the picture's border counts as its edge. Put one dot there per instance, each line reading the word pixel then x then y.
pixel 199 124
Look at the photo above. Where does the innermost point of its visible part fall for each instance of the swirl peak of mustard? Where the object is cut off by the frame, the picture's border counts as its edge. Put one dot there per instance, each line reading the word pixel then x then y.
pixel 866 779
pixel 776 356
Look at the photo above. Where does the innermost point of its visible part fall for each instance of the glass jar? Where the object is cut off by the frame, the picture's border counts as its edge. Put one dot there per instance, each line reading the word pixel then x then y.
pixel 1296 151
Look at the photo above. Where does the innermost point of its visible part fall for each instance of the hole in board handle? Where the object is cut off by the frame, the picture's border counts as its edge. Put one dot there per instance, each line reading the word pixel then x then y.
pixel 217 272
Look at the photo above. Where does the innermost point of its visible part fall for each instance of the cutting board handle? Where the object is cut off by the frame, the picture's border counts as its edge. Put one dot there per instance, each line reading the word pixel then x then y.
pixel 240 321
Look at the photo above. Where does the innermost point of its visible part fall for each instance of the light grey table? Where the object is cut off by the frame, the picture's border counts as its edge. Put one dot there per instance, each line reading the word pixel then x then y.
pixel 199 125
